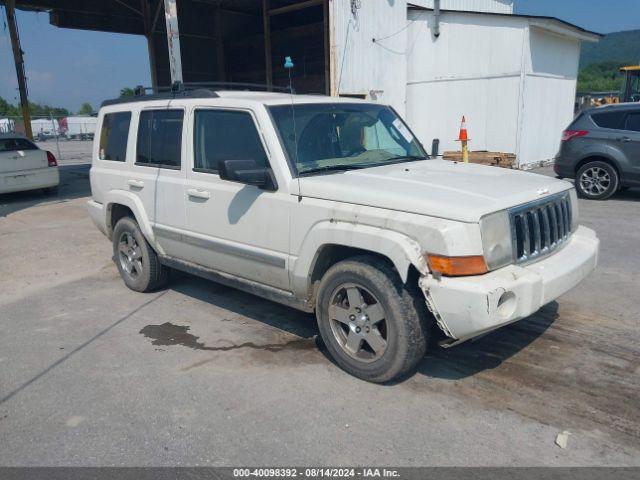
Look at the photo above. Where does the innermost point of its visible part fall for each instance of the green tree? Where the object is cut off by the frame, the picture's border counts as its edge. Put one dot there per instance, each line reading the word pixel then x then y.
pixel 85 109
pixel 601 77
pixel 8 110
pixel 127 92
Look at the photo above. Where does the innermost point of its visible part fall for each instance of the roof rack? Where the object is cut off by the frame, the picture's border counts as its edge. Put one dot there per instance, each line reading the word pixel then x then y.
pixel 192 90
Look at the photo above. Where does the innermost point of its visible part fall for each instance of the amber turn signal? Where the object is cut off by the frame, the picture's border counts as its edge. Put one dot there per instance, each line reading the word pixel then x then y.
pixel 457 266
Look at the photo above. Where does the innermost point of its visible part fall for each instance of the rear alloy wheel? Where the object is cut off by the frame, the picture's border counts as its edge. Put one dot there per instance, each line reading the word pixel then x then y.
pixel 373 325
pixel 130 255
pixel 597 180
pixel 137 262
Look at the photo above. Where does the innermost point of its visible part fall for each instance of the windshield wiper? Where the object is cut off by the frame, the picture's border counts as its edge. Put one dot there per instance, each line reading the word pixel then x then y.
pixel 406 158
pixel 331 168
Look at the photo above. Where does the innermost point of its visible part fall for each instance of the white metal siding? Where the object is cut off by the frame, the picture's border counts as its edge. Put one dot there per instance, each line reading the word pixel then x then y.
pixel 549 91
pixel 474 69
pixel 494 6
pixel 515 83
pixel 361 66
pixel 512 77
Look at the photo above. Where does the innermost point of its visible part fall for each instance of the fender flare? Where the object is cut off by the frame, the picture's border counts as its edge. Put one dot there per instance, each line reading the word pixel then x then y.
pixel 400 249
pixel 134 203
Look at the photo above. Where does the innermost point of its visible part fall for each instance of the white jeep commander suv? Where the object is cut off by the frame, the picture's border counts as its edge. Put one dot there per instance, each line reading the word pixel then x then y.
pixel 331 205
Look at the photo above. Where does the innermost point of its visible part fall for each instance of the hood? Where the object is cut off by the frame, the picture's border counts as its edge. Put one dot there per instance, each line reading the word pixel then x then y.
pixel 437 188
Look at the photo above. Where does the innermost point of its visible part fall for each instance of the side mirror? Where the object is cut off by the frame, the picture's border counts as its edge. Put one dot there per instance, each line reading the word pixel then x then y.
pixel 246 171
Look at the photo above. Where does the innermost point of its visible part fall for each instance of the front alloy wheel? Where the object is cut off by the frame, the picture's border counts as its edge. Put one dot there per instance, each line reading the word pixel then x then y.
pixel 374 326
pixel 358 322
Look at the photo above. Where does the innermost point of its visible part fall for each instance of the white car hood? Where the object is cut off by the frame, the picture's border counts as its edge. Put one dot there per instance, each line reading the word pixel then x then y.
pixel 438 188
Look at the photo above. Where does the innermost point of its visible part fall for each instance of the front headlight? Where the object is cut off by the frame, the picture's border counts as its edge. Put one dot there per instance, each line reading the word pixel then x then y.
pixel 574 209
pixel 497 245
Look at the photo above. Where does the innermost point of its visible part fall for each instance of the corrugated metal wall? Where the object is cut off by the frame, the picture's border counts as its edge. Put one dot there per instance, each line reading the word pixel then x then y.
pixel 362 66
pixel 548 94
pixel 474 69
pixel 514 83
pixel 495 6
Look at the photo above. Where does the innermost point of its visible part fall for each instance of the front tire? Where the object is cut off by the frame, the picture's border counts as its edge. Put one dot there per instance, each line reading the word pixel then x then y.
pixel 372 325
pixel 137 262
pixel 597 180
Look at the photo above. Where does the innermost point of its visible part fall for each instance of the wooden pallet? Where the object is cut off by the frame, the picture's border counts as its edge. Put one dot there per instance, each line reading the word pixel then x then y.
pixel 496 159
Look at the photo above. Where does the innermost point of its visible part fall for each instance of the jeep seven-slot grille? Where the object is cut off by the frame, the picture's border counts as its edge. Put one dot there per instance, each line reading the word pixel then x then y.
pixel 539 228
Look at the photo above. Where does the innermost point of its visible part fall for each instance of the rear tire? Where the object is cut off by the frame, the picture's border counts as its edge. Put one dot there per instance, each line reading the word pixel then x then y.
pixel 597 180
pixel 137 262
pixel 372 325
pixel 51 191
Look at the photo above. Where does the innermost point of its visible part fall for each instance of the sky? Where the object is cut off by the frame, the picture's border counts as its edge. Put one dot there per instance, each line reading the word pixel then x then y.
pixel 68 67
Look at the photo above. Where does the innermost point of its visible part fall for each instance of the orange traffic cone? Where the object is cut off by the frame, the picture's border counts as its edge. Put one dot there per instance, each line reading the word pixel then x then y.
pixel 464 136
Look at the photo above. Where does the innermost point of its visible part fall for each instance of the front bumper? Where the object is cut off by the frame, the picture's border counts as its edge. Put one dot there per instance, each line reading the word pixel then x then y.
pixel 467 307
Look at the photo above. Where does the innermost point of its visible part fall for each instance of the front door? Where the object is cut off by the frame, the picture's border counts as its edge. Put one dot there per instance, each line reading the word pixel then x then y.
pixel 234 228
pixel 630 139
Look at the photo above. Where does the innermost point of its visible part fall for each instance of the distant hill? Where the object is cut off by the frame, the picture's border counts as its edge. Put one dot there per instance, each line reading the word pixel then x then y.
pixel 621 47
pixel 600 62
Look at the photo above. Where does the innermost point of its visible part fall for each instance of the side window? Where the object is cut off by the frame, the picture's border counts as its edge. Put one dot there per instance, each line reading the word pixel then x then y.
pixel 13 144
pixel 24 144
pixel 633 122
pixel 114 135
pixel 608 119
pixel 7 145
pixel 160 138
pixel 225 135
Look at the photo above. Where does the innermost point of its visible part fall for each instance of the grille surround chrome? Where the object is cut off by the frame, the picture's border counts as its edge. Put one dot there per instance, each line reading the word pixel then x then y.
pixel 540 228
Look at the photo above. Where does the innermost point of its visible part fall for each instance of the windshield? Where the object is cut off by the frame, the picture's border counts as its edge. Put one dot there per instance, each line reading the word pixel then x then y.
pixel 341 136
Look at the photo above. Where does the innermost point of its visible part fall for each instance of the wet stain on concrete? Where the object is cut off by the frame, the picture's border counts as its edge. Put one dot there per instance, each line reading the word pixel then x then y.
pixel 170 334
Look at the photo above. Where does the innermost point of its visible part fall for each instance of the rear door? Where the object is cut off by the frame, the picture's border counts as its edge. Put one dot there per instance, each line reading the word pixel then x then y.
pixel 158 174
pixel 630 142
pixel 19 154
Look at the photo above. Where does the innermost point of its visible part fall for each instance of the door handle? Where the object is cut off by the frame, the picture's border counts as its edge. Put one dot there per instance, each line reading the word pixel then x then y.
pixel 625 139
pixel 135 183
pixel 195 193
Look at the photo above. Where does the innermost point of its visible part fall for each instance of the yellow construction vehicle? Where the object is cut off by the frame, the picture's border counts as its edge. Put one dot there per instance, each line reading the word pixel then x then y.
pixel 631 88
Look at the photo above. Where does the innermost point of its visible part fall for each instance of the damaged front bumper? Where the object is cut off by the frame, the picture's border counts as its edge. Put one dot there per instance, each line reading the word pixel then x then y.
pixel 467 307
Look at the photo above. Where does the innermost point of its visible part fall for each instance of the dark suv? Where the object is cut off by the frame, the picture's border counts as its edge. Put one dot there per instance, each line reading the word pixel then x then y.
pixel 601 150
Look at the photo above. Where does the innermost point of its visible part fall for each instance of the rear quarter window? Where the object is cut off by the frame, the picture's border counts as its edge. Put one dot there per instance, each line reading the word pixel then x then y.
pixel 15 144
pixel 114 135
pixel 611 120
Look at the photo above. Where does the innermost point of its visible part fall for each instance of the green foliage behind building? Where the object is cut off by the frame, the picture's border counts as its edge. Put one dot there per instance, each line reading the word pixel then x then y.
pixel 600 62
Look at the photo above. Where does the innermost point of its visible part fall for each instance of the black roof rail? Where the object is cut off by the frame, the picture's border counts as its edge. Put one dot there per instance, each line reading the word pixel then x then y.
pixel 191 90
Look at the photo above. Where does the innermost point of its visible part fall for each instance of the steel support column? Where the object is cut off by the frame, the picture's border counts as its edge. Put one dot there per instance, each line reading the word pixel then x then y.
pixel 10 6
pixel 173 40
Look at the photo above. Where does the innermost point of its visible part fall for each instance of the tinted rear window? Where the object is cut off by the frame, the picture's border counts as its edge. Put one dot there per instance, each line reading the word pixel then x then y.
pixel 609 119
pixel 14 144
pixel 113 136
pixel 633 122
pixel 160 138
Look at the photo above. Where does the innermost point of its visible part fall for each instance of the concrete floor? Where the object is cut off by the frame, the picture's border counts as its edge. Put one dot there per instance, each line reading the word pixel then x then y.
pixel 92 373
